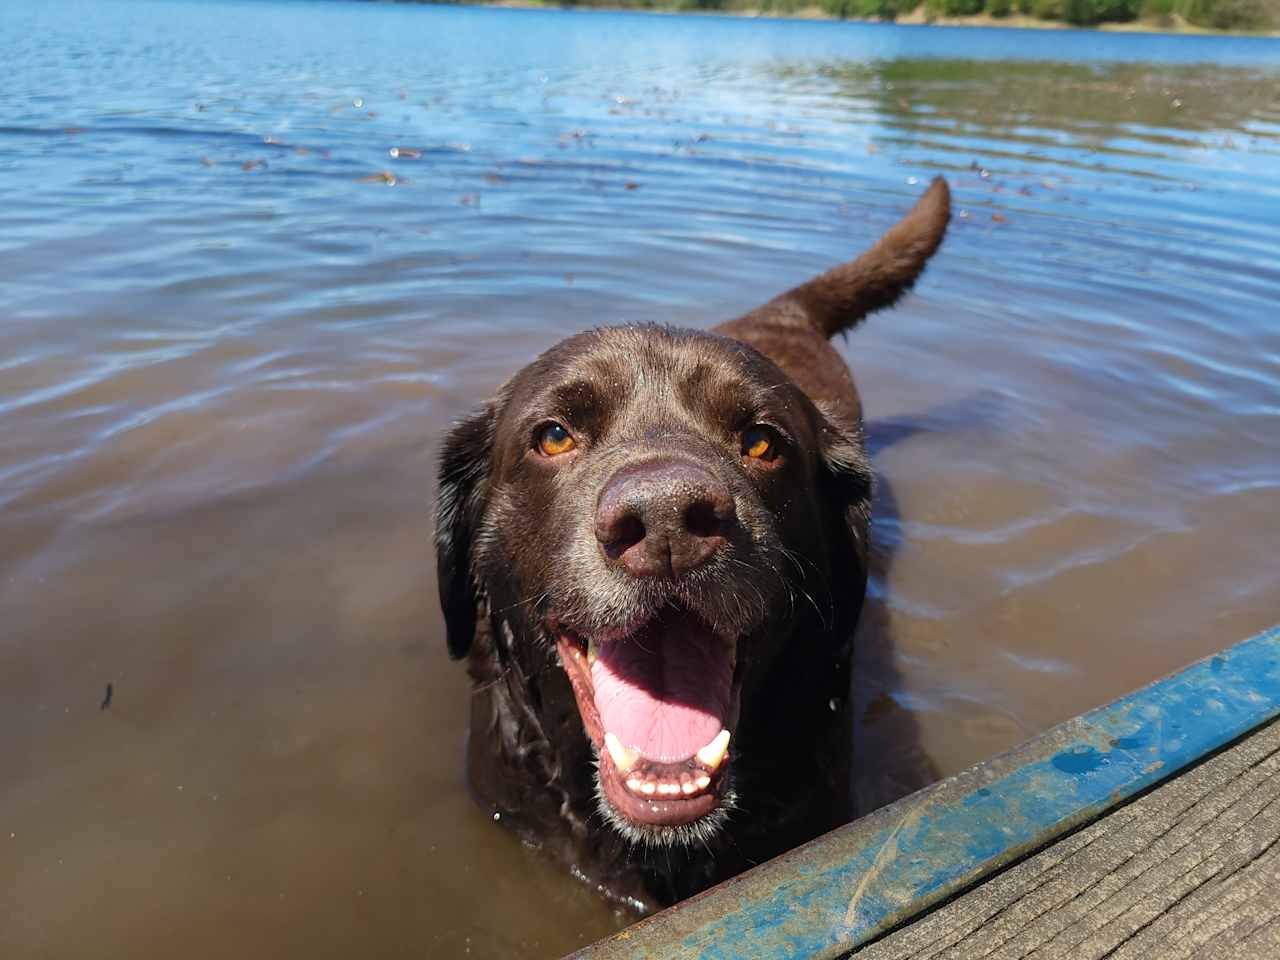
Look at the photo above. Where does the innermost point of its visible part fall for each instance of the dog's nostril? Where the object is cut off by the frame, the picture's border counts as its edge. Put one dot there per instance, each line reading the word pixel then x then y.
pixel 619 529
pixel 626 532
pixel 701 520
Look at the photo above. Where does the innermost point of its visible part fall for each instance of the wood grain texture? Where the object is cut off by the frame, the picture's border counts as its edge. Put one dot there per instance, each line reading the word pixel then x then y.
pixel 1189 870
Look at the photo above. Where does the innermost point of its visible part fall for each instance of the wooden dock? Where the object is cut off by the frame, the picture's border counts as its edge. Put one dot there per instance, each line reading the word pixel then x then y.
pixel 1191 869
pixel 1149 828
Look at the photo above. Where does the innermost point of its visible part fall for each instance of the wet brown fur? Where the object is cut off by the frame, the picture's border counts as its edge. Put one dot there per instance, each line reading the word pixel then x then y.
pixel 513 552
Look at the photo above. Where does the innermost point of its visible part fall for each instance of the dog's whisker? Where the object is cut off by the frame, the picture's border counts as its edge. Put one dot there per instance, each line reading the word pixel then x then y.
pixel 826 619
pixel 798 562
pixel 485 685
pixel 530 601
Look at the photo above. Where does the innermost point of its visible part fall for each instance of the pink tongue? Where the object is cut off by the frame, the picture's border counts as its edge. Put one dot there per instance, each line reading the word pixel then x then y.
pixel 665 690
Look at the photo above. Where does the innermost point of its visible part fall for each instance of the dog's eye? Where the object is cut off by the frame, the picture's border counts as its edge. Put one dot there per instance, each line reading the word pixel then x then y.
pixel 758 444
pixel 554 440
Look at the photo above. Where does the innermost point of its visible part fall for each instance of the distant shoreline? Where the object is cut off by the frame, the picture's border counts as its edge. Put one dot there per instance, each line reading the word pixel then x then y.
pixel 1174 26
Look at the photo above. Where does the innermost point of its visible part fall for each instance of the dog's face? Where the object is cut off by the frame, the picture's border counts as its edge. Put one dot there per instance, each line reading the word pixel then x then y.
pixel 656 512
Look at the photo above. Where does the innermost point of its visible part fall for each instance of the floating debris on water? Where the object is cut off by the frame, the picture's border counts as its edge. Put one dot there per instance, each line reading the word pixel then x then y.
pixel 404 153
pixel 382 176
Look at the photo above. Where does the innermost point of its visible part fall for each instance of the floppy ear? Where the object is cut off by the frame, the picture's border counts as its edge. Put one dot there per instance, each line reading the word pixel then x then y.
pixel 464 477
pixel 848 482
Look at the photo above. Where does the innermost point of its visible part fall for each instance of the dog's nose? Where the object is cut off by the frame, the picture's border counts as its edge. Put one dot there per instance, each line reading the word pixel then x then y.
pixel 663 518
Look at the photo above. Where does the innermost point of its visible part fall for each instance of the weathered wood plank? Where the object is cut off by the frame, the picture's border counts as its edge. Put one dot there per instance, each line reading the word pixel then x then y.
pixel 1189 870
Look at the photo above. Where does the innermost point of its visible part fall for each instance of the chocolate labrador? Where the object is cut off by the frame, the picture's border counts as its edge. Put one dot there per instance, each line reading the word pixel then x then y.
pixel 652 551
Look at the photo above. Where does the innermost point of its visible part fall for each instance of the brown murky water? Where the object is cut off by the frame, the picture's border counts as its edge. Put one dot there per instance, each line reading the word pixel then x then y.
pixel 226 361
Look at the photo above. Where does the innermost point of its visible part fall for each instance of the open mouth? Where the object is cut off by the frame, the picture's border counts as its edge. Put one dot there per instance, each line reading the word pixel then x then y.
pixel 660 703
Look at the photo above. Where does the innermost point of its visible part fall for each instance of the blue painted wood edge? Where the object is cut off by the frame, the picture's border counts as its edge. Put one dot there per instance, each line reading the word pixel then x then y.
pixel 844 889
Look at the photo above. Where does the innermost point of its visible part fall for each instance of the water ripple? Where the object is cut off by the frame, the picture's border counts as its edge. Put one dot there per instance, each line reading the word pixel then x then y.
pixel 256 256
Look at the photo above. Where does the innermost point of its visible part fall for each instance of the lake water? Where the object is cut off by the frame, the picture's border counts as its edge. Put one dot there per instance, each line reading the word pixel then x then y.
pixel 229 346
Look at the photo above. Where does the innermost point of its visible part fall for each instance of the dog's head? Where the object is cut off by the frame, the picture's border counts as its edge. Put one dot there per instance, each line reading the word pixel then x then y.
pixel 657 512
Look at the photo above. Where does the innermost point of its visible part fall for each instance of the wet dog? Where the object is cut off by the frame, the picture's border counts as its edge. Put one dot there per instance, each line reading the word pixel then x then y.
pixel 652 551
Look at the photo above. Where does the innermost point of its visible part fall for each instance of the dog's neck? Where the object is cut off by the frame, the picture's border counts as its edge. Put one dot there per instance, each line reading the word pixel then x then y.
pixel 525 730
pixel 531 765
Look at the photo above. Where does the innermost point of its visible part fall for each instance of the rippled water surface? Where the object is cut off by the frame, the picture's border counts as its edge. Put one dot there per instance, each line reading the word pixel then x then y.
pixel 233 326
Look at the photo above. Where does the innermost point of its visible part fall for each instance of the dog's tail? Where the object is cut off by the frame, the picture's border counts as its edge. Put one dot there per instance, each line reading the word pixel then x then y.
pixel 842 296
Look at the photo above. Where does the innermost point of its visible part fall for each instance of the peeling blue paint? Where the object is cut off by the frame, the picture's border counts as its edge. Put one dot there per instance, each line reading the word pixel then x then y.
pixel 1079 760
pixel 843 889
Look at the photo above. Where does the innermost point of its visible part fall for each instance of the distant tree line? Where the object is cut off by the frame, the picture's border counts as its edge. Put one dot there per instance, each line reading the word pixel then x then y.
pixel 1219 14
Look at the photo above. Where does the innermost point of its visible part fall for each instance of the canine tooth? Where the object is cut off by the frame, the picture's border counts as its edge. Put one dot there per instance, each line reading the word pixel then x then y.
pixel 703 782
pixel 591 650
pixel 648 788
pixel 623 758
pixel 714 751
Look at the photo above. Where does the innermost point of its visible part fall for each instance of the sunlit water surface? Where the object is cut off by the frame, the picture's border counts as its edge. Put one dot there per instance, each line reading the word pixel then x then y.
pixel 233 327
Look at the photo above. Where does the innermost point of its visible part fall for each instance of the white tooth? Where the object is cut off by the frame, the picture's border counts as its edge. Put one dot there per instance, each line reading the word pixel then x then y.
pixel 668 789
pixel 689 787
pixel 648 788
pixel 623 759
pixel 634 784
pixel 703 782
pixel 714 751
